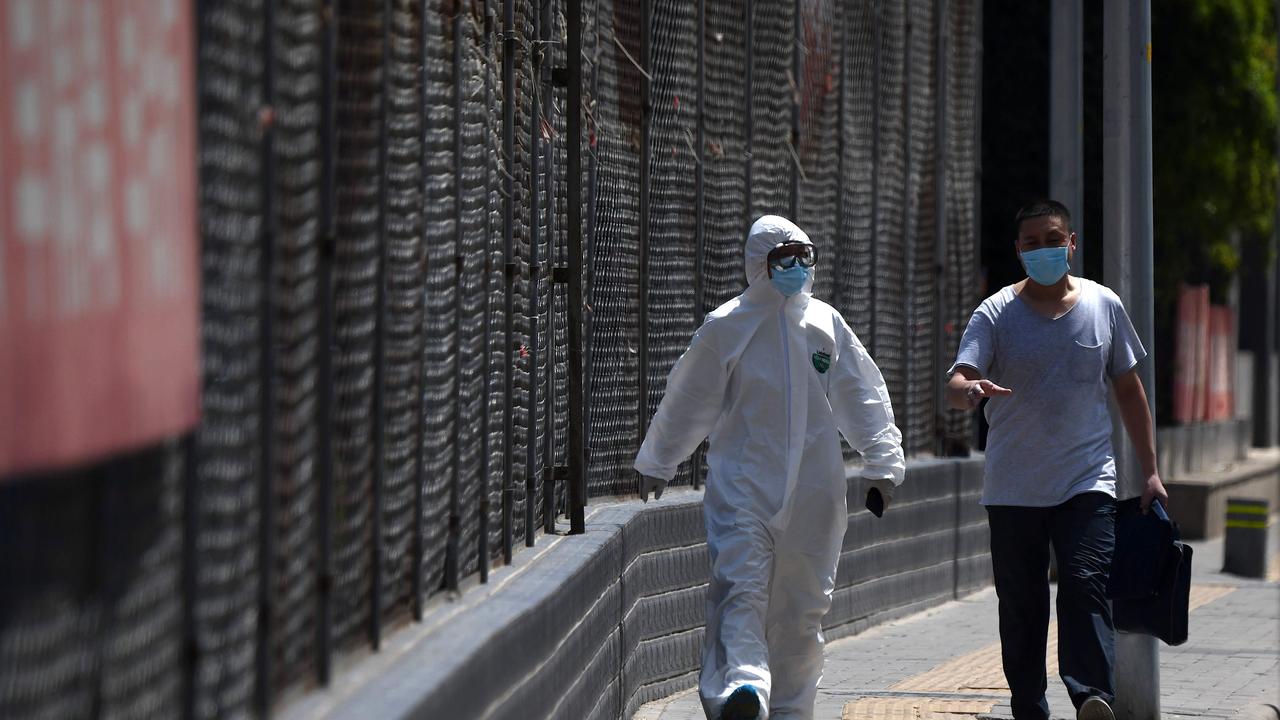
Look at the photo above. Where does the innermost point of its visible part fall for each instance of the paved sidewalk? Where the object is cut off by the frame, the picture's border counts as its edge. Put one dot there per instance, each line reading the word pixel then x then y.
pixel 945 662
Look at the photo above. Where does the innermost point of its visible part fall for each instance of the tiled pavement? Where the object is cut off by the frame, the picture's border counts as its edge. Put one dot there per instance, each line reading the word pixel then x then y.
pixel 945 662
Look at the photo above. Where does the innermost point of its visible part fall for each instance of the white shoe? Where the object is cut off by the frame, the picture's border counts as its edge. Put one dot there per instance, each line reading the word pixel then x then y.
pixel 1095 708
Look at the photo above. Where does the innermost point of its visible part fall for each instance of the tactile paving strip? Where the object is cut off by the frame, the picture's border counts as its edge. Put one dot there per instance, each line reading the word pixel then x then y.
pixel 975 673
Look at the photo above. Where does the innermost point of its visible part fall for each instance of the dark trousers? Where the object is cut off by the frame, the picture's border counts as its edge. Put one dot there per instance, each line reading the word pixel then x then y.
pixel 1082 531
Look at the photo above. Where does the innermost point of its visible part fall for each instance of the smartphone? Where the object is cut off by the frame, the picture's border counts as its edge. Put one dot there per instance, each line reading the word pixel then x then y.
pixel 875 502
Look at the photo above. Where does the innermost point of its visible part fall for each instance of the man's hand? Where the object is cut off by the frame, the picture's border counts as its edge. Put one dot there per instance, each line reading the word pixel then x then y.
pixel 651 484
pixel 966 389
pixel 1153 489
pixel 980 389
pixel 884 485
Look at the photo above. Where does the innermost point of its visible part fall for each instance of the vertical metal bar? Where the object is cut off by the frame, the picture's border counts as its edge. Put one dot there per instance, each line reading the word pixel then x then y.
pixel 324 300
pixel 877 64
pixel 646 101
pixel 535 269
pixel 452 550
pixel 508 228
pixel 190 585
pixel 797 79
pixel 1127 222
pixel 548 413
pixel 700 175
pixel 942 71
pixel 483 539
pixel 1066 114
pixel 267 369
pixel 191 456
pixel 418 546
pixel 577 460
pixel 975 247
pixel 586 254
pixel 699 202
pixel 748 100
pixel 977 138
pixel 379 338
pixel 842 255
pixel 910 442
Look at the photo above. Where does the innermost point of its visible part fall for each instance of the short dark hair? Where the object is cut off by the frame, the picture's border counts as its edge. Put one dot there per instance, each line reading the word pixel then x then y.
pixel 1041 208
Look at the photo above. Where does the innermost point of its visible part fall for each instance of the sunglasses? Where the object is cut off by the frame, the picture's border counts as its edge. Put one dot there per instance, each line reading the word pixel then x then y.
pixel 785 256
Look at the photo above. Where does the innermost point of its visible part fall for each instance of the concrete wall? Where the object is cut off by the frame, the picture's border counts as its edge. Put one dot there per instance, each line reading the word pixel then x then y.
pixel 1197 448
pixel 1204 464
pixel 593 626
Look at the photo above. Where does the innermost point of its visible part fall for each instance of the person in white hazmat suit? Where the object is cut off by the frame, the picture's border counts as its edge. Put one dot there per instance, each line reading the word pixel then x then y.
pixel 771 377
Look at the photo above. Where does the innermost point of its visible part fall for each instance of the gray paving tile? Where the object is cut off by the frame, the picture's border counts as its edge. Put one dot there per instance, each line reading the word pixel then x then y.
pixel 1231 660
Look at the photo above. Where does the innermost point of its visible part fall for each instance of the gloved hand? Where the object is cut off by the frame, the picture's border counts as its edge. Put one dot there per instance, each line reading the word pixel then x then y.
pixel 884 486
pixel 651 484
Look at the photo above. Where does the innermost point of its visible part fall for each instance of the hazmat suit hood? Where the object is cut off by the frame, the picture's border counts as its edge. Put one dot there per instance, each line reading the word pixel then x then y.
pixel 764 235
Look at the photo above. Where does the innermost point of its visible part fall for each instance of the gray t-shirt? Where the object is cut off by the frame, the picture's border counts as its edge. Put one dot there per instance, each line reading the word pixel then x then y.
pixel 1051 439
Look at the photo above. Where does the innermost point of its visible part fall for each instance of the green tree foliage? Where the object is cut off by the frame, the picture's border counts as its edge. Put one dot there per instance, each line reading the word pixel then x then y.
pixel 1214 138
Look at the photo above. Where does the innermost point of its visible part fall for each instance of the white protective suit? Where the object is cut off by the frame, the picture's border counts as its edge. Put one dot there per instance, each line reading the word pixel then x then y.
pixel 771 379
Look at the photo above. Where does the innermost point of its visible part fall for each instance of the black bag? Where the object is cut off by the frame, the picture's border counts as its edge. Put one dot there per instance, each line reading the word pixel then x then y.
pixel 1150 582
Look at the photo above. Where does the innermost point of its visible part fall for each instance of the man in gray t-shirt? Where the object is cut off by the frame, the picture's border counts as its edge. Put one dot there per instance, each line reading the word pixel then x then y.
pixel 1045 352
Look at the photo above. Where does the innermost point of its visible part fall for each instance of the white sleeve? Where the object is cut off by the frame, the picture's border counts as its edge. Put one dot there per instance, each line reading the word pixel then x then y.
pixel 863 412
pixel 688 411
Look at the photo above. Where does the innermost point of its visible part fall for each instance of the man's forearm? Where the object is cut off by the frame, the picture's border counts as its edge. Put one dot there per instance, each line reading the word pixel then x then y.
pixel 1136 415
pixel 957 391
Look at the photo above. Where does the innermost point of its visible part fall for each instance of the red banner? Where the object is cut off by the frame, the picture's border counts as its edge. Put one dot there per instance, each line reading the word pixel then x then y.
pixel 1204 381
pixel 1192 353
pixel 1220 384
pixel 99 299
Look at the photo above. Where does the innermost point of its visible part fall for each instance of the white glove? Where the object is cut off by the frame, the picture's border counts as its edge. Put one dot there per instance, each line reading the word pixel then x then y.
pixel 652 484
pixel 884 485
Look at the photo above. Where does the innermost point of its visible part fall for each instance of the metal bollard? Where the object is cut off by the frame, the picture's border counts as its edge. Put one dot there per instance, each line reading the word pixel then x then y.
pixel 1245 551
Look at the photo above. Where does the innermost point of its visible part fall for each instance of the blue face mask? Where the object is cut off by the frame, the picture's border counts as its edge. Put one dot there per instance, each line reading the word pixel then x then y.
pixel 1046 266
pixel 790 281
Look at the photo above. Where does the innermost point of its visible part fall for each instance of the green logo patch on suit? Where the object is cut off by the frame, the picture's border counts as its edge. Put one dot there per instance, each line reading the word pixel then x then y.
pixel 821 361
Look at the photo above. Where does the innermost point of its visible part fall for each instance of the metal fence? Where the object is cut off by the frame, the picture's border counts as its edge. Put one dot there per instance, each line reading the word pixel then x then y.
pixel 385 259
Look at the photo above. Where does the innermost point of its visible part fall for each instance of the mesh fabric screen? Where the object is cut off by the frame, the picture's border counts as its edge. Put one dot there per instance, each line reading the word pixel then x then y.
pixel 228 456
pixel 670 295
pixel 295 475
pixel 615 293
pixel 356 275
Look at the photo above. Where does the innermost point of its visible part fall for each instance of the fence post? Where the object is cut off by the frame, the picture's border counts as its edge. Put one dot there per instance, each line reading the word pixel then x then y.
pixel 190 537
pixel 546 83
pixel 877 60
pixel 508 227
pixel 699 204
pixel 191 461
pixel 700 177
pixel 535 268
pixel 577 460
pixel 586 257
pixel 842 230
pixel 379 339
pixel 797 86
pixel 1066 114
pixel 324 298
pixel 267 366
pixel 910 439
pixel 483 540
pixel 748 100
pixel 452 549
pixel 417 547
pixel 942 67
pixel 646 92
